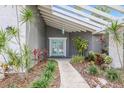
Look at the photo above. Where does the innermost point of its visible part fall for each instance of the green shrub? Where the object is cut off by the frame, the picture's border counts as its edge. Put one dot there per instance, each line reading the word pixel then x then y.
pixel 77 59
pixel 91 56
pixel 112 75
pixel 51 66
pixel 107 59
pixel 93 69
pixel 47 76
pixel 40 84
pixel 80 44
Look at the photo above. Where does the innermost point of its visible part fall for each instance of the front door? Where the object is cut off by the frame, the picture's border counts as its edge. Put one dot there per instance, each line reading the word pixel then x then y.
pixel 57 47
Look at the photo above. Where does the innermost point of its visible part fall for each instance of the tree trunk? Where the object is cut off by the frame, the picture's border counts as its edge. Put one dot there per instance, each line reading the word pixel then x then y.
pixel 28 33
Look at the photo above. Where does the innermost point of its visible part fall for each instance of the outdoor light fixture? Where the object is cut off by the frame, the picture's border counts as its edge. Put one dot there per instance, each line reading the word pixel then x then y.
pixel 63 31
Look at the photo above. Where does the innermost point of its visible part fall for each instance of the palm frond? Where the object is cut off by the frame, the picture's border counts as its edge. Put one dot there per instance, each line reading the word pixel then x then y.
pixel 11 32
pixel 26 15
pixel 3 39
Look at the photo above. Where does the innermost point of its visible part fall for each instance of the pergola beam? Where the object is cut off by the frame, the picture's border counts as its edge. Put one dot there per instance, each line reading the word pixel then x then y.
pixel 77 21
pixel 64 24
pixel 61 20
pixel 85 22
pixel 116 7
pixel 98 12
pixel 46 13
pixel 58 26
pixel 81 13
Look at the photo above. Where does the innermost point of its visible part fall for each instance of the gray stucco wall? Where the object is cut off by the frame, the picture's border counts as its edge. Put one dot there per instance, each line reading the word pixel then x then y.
pixel 70 49
pixel 96 44
pixel 37 30
pixel 84 35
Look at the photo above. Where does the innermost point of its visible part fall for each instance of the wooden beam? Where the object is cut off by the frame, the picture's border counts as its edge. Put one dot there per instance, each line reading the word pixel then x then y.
pixel 116 7
pixel 47 14
pixel 86 22
pixel 83 14
pixel 98 12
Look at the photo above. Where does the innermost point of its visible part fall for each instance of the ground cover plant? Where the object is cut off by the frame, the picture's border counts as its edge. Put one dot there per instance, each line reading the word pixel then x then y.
pixel 77 59
pixel 47 76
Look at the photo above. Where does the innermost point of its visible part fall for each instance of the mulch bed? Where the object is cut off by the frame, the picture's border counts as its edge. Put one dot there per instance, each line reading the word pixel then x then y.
pixel 14 80
pixel 93 80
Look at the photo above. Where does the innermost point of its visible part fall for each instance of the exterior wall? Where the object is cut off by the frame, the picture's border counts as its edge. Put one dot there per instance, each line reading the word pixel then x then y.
pixel 53 32
pixel 10 16
pixel 37 30
pixel 96 44
pixel 70 49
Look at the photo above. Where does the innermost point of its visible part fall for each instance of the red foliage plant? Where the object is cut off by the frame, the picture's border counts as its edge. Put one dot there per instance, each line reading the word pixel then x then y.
pixel 99 59
pixel 40 55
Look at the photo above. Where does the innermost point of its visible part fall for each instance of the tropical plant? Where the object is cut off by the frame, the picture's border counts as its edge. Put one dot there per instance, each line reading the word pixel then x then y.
pixel 113 30
pixel 112 75
pixel 80 44
pixel 26 57
pixel 27 17
pixel 40 84
pixel 107 59
pixel 93 69
pixel 6 37
pixel 51 66
pixel 47 75
pixel 77 59
pixel 14 59
pixel 21 58
pixel 91 56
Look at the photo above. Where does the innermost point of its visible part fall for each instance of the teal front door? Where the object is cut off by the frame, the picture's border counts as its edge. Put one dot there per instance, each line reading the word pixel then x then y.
pixel 57 47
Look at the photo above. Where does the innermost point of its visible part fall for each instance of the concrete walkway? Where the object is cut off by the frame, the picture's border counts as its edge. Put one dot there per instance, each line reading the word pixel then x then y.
pixel 70 78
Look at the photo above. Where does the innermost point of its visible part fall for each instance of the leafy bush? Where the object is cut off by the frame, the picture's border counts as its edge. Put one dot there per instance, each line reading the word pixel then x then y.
pixel 91 56
pixel 51 65
pixel 77 59
pixel 92 69
pixel 40 84
pixel 47 76
pixel 108 59
pixel 99 59
pixel 80 44
pixel 112 75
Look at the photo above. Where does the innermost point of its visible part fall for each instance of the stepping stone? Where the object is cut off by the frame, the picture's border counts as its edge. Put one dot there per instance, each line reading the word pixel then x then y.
pixel 1 76
pixel 103 81
pixel 98 86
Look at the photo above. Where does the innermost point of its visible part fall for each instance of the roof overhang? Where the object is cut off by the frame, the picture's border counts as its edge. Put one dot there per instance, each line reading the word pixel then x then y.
pixel 73 20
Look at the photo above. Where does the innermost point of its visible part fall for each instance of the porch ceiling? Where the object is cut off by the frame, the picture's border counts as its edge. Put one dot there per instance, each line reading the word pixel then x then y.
pixel 72 20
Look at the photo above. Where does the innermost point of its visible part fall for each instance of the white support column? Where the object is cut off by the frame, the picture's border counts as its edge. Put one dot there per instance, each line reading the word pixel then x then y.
pixel 113 52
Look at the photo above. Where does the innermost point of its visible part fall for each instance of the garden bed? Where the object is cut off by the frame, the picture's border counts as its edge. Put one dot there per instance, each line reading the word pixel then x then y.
pixel 94 81
pixel 14 80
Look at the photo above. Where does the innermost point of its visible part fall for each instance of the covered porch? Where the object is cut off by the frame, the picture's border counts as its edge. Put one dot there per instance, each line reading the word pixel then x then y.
pixel 59 25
